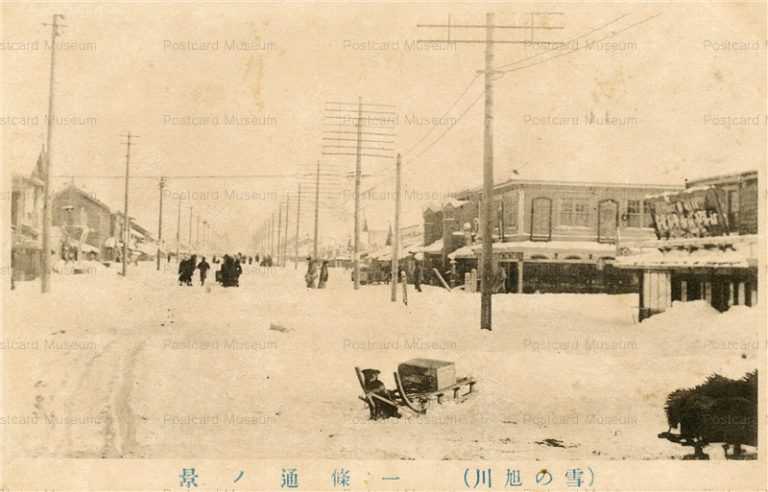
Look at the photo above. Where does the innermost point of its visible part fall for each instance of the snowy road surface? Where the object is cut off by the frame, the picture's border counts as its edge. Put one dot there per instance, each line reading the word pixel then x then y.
pixel 141 368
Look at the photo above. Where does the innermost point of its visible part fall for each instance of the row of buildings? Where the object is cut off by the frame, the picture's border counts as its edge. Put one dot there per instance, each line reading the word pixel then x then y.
pixel 83 227
pixel 667 243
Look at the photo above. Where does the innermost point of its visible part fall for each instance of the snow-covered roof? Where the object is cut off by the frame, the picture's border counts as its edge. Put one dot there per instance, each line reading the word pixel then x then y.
pixel 532 247
pixel 738 251
pixel 686 259
pixel 436 247
pixel 686 191
pixel 452 202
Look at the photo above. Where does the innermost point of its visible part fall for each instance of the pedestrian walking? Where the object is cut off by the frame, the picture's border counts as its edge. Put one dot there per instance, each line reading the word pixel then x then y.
pixel 311 274
pixel 189 270
pixel 226 271
pixel 203 267
pixel 237 271
pixel 182 271
pixel 323 275
pixel 404 280
pixel 418 274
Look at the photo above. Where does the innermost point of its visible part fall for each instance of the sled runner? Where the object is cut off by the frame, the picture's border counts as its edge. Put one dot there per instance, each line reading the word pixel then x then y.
pixel 408 396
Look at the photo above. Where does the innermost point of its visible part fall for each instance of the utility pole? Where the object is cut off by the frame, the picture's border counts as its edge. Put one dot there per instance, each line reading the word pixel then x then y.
pixel 178 231
pixel 317 211
pixel 377 144
pixel 279 233
pixel 486 281
pixel 298 221
pixel 285 239
pixel 160 222
pixel 272 236
pixel 487 222
pixel 396 238
pixel 45 257
pixel 358 170
pixel 126 221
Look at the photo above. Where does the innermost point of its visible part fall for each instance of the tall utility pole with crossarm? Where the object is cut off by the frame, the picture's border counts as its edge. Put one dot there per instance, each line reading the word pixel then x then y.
pixel 298 221
pixel 160 222
pixel 45 256
pixel 126 221
pixel 359 130
pixel 486 226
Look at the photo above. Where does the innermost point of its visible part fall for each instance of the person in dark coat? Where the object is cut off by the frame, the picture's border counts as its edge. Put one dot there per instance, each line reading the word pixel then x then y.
pixel 182 271
pixel 237 271
pixel 203 266
pixel 373 385
pixel 323 278
pixel 190 270
pixel 226 271
pixel 311 274
pixel 418 276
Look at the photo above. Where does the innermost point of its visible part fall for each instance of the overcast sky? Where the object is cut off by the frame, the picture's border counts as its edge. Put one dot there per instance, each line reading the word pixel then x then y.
pixel 684 93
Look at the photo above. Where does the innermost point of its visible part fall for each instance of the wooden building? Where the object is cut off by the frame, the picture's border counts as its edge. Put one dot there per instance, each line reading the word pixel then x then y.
pixel 706 246
pixel 84 221
pixel 26 223
pixel 550 236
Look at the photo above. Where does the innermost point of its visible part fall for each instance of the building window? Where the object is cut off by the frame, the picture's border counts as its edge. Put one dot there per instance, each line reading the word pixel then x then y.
pixel 15 205
pixel 574 212
pixel 733 210
pixel 638 213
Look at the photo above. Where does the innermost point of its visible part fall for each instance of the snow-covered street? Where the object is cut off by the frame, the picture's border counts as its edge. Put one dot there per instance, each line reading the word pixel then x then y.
pixel 139 367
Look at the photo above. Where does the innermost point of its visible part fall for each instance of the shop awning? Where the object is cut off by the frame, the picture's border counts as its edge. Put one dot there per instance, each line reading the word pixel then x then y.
pixel 684 259
pixel 711 252
pixel 543 250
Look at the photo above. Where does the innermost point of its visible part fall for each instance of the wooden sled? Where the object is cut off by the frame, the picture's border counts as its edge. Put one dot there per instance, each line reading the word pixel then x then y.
pixel 416 402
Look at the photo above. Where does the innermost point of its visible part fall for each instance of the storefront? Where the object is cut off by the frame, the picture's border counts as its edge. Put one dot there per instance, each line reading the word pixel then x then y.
pixel 721 270
pixel 552 266
pixel 699 253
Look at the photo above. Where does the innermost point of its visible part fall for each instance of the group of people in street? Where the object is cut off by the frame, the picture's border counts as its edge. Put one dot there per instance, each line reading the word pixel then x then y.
pixel 316 277
pixel 187 267
pixel 228 274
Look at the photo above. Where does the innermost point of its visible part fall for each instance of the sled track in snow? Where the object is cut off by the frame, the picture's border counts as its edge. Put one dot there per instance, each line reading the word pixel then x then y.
pixel 102 393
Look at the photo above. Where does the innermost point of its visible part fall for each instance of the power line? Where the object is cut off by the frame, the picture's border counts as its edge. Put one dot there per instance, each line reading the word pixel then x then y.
pixel 558 55
pixel 432 128
pixel 603 26
pixel 448 128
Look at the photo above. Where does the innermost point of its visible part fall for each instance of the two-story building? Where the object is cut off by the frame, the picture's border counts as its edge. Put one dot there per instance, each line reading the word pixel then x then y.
pixel 549 236
pixel 141 243
pixel 26 223
pixel 706 245
pixel 83 221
